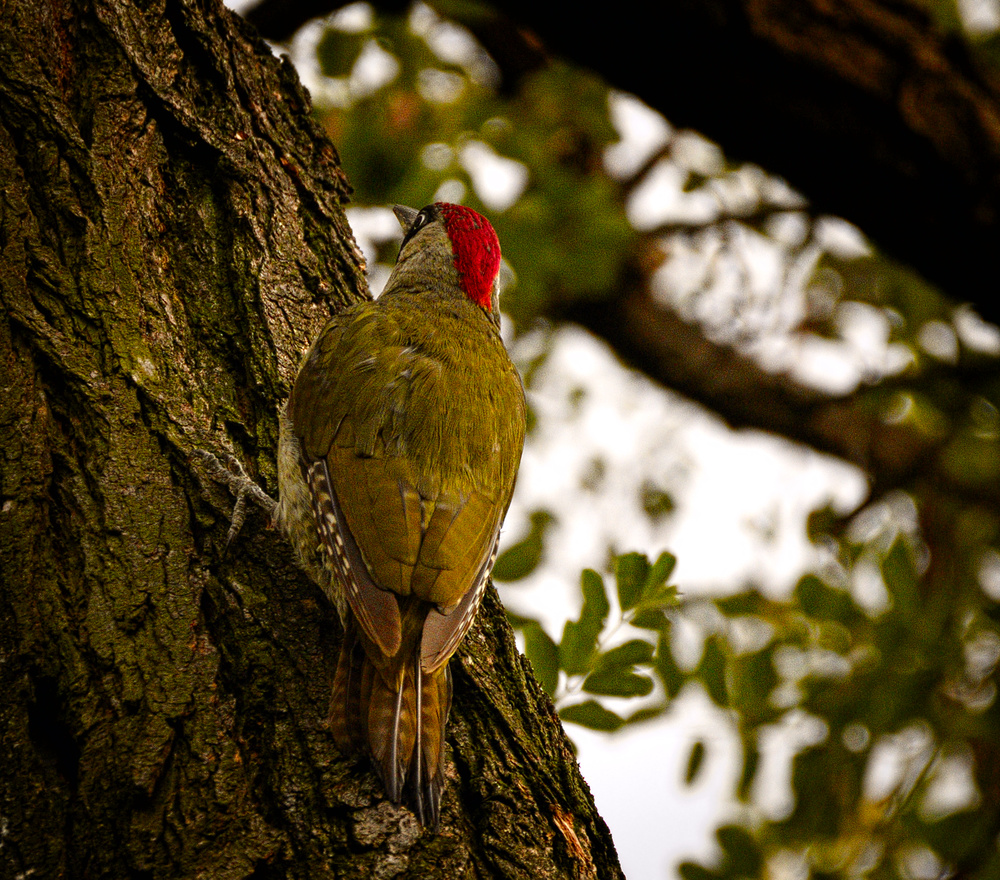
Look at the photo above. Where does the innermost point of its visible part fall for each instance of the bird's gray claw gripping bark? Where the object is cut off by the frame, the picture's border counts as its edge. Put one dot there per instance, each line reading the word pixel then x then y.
pixel 232 474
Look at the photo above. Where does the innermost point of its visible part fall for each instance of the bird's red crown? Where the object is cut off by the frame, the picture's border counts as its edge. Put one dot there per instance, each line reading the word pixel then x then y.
pixel 476 249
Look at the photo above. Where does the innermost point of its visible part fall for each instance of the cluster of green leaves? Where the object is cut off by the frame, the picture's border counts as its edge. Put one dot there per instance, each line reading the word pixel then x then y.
pixel 592 660
pixel 922 664
pixel 871 676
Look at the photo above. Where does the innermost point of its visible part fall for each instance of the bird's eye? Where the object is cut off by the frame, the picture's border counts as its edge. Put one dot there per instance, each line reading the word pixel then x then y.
pixel 419 222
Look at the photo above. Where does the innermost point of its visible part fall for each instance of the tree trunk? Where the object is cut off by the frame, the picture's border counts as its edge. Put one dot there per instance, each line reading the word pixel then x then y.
pixel 172 236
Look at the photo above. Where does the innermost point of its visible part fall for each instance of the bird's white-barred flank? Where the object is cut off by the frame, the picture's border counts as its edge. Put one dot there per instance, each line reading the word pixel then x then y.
pixel 329 528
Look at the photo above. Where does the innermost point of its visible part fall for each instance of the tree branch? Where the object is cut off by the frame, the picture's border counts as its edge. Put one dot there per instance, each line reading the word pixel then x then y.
pixel 852 427
pixel 862 105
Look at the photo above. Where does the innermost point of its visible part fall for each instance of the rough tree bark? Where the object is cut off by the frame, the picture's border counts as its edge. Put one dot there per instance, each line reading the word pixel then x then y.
pixel 171 235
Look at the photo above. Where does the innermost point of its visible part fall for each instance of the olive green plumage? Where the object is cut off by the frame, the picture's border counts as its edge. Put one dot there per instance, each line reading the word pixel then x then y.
pixel 400 447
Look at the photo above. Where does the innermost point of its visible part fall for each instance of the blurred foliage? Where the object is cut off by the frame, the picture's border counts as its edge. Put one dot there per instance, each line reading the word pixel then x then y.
pixel 901 687
pixel 437 119
pixel 888 654
pixel 522 558
pixel 904 693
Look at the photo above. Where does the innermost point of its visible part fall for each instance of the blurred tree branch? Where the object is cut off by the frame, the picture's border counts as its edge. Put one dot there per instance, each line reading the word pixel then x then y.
pixel 654 339
pixel 865 106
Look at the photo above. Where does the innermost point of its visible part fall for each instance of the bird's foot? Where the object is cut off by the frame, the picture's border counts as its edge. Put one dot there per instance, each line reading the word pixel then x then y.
pixel 232 474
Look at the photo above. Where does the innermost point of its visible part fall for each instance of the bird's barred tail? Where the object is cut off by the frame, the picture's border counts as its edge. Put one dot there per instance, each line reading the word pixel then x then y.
pixel 398 717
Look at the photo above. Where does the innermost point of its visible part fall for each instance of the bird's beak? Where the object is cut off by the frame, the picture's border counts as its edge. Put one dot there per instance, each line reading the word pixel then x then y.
pixel 405 216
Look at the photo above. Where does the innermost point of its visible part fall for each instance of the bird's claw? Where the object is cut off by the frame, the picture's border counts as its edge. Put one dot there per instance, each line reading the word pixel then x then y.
pixel 235 477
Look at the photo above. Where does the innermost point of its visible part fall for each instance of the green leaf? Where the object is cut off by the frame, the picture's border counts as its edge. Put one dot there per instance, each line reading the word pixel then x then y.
pixel 694 871
pixel 524 557
pixel 595 599
pixel 618 683
pixel 901 579
pixel 693 181
pixel 667 668
pixel 695 762
pixel 631 570
pixel 711 672
pixel 660 572
pixel 337 51
pixel 647 712
pixel 579 640
pixel 658 598
pixel 627 655
pixel 518 621
pixel 593 715
pixel 650 618
pixel 656 502
pixel 819 806
pixel 643 589
pixel 751 761
pixel 743 857
pixel 749 602
pixel 820 600
pixel 544 656
pixel 657 592
pixel 751 678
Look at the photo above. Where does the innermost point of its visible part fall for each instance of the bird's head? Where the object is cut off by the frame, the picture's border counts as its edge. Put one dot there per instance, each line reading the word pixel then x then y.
pixel 475 248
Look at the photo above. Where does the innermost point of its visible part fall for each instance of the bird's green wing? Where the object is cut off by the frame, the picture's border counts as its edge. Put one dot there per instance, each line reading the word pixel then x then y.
pixel 409 467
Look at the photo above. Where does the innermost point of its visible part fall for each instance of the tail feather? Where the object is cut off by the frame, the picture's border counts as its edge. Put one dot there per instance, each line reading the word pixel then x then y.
pixel 416 774
pixel 427 763
pixel 345 703
pixel 398 719
pixel 390 725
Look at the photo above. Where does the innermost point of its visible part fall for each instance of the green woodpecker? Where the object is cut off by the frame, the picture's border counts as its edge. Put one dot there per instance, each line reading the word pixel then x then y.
pixel 399 448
